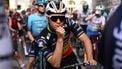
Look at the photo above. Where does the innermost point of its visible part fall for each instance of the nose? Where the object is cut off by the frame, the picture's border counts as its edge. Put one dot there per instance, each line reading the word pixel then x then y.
pixel 58 21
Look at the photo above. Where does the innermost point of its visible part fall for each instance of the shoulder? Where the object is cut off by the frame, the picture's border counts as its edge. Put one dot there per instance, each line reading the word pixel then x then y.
pixel 44 32
pixel 68 21
pixel 43 16
pixel 42 38
pixel 102 17
pixel 32 15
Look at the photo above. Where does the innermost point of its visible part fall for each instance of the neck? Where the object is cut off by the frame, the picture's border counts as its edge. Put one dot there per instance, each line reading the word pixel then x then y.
pixel 50 29
pixel 39 13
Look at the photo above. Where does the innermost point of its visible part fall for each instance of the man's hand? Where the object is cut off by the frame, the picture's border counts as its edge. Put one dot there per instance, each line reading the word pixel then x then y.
pixel 14 31
pixel 60 32
pixel 91 62
pixel 34 43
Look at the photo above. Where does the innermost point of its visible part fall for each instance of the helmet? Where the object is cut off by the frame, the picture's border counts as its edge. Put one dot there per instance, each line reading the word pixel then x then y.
pixel 40 2
pixel 55 7
pixel 100 7
pixel 85 6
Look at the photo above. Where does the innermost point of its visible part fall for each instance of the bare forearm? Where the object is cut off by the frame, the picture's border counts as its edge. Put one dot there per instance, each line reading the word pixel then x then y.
pixel 57 55
pixel 102 27
pixel 19 25
pixel 90 17
pixel 30 36
pixel 88 48
pixel 87 45
pixel 11 29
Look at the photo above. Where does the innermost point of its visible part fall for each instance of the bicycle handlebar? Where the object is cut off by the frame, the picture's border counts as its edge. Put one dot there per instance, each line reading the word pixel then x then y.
pixel 73 65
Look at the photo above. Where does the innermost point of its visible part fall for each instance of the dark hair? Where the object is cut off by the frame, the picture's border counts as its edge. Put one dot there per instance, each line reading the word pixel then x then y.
pixel 23 12
pixel 10 13
pixel 18 6
pixel 85 7
pixel 28 9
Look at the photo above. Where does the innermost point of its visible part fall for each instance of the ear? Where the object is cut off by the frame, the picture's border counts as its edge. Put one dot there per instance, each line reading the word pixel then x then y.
pixel 48 18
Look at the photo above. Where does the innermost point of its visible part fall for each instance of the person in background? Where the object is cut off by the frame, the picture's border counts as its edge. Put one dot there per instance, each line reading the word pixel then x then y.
pixel 19 8
pixel 28 11
pixel 23 23
pixel 96 23
pixel 36 23
pixel 82 22
pixel 83 14
pixel 13 26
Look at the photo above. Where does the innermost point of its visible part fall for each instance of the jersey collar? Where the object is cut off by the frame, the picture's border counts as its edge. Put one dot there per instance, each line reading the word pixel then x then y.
pixel 50 29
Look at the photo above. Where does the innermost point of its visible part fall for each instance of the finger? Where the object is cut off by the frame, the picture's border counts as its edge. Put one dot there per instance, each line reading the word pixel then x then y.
pixel 93 62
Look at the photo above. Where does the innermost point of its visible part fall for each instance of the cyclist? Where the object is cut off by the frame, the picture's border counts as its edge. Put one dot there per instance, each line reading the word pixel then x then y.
pixel 75 16
pixel 21 27
pixel 96 23
pixel 23 22
pixel 54 40
pixel 13 26
pixel 36 23
pixel 82 15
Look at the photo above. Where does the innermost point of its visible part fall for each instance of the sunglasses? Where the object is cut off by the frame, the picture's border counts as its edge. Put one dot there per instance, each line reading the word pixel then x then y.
pixel 41 5
pixel 55 18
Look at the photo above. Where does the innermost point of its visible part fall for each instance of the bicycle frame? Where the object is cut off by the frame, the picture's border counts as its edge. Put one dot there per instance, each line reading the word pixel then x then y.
pixel 39 63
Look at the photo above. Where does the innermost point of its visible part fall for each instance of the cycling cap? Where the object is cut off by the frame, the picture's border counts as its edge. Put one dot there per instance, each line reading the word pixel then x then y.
pixel 55 7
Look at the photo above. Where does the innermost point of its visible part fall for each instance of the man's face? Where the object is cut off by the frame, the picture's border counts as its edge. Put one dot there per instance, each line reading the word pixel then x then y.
pixel 56 20
pixel 41 8
pixel 98 13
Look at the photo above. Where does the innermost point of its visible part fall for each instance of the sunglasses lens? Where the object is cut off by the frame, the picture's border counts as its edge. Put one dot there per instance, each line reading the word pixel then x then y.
pixel 41 5
pixel 62 18
pixel 55 18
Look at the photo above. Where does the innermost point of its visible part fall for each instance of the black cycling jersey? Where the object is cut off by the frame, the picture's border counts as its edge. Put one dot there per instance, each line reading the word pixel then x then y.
pixel 47 39
pixel 113 41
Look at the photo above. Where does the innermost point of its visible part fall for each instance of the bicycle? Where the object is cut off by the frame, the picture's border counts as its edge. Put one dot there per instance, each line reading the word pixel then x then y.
pixel 36 63
pixel 76 44
pixel 39 62
pixel 79 49
pixel 95 39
